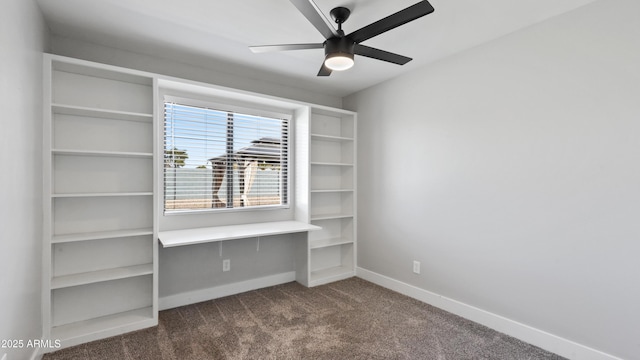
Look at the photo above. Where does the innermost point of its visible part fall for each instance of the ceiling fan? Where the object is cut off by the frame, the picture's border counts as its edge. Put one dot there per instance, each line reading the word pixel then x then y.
pixel 339 48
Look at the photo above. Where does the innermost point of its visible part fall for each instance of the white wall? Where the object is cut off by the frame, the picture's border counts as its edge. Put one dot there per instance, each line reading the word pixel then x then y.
pixel 512 172
pixel 23 38
pixel 190 274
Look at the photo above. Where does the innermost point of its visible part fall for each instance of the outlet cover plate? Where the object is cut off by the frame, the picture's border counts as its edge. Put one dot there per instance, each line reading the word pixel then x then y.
pixel 416 267
pixel 226 265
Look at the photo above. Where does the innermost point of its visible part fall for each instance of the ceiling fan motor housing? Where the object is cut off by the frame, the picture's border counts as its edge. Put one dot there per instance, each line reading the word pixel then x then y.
pixel 338 53
pixel 341 45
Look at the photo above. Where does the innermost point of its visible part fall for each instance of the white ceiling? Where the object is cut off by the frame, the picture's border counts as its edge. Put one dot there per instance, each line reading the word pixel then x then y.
pixel 217 34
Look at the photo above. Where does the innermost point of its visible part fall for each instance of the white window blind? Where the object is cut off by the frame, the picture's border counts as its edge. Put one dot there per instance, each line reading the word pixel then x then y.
pixel 216 159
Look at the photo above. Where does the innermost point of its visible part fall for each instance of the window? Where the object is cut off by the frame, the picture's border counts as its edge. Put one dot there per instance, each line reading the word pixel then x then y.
pixel 218 159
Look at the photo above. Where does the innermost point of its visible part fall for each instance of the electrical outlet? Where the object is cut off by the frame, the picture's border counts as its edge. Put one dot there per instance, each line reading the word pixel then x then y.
pixel 226 265
pixel 416 267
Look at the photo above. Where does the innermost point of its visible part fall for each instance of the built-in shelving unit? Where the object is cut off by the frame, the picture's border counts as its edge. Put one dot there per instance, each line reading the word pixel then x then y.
pixel 102 164
pixel 330 194
pixel 100 255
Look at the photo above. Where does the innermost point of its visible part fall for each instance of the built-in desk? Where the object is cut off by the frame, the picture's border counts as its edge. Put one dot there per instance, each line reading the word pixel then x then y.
pixel 229 232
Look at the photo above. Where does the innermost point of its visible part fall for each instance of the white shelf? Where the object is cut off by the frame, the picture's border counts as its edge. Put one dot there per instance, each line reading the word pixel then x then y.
pixel 91 329
pixel 101 275
pixel 330 137
pixel 59 239
pixel 330 216
pixel 101 113
pixel 322 243
pixel 330 164
pixel 82 67
pixel 330 275
pixel 230 232
pixel 115 194
pixel 331 190
pixel 74 152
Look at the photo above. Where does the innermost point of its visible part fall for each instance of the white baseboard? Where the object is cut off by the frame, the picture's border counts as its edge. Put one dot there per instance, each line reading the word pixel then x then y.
pixel 539 338
pixel 192 297
pixel 36 355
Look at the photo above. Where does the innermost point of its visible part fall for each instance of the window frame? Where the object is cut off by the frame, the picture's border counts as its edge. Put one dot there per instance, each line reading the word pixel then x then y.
pixel 245 108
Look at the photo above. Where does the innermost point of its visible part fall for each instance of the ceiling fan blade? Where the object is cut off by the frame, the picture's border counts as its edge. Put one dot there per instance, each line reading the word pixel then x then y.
pixel 284 47
pixel 380 54
pixel 311 11
pixel 324 70
pixel 392 21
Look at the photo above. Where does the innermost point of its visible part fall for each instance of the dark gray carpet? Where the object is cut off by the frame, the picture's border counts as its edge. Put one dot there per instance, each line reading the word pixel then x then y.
pixel 350 319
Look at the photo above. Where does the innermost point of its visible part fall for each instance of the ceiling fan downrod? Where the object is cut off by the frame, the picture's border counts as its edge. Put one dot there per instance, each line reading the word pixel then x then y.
pixel 340 14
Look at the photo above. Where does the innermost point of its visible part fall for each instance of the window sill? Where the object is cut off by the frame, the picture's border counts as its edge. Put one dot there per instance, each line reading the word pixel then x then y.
pixel 230 232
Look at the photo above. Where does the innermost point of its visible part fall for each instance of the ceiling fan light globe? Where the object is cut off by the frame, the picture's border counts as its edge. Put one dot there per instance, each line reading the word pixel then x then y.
pixel 339 62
